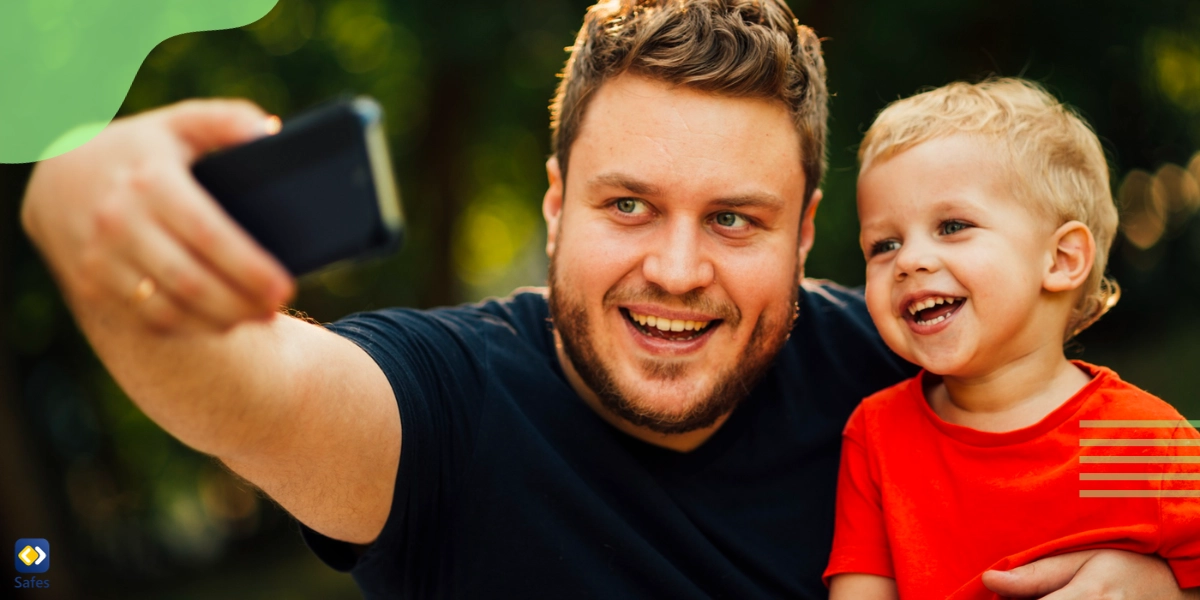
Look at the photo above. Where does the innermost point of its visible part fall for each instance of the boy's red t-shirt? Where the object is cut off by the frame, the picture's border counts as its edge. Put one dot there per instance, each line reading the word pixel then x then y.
pixel 934 505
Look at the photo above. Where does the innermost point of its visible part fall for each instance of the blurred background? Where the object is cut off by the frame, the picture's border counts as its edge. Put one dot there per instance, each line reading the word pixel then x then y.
pixel 132 513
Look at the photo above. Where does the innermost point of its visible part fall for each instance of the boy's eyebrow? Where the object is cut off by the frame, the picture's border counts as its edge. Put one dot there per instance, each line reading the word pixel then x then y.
pixel 763 200
pixel 955 202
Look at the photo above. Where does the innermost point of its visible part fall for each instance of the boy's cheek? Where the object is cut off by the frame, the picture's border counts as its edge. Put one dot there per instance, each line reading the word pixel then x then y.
pixel 880 308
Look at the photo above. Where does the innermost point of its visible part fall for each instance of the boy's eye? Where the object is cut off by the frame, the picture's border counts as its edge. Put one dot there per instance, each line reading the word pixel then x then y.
pixel 884 246
pixel 630 206
pixel 731 220
pixel 952 227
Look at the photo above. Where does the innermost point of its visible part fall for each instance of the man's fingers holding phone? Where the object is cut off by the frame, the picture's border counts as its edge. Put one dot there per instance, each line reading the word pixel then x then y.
pixel 189 283
pixel 211 124
pixel 128 231
pixel 220 244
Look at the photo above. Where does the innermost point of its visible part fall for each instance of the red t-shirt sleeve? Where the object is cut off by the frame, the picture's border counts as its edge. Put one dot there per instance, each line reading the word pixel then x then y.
pixel 860 542
pixel 1180 516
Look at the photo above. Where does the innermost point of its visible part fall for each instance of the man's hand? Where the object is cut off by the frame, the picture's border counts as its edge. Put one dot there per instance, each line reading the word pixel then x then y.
pixel 123 224
pixel 140 249
pixel 1091 575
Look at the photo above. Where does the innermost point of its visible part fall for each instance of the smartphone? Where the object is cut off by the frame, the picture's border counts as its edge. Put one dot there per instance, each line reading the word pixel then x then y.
pixel 318 192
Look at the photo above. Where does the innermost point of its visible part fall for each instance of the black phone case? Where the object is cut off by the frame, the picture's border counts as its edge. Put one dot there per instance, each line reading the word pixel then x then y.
pixel 308 193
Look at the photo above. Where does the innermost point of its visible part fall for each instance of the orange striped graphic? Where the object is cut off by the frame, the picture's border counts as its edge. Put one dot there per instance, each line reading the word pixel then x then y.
pixel 1169 461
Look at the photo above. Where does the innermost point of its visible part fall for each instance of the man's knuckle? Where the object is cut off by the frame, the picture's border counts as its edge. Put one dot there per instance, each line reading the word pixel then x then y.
pixel 142 178
pixel 203 234
pixel 184 283
pixel 188 286
pixel 91 260
pixel 164 317
pixel 111 218
pixel 87 288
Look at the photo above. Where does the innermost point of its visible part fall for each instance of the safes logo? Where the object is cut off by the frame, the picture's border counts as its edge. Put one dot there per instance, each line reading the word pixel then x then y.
pixel 31 555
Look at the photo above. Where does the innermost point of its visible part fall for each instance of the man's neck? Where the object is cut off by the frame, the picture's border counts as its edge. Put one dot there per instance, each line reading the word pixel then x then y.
pixel 679 442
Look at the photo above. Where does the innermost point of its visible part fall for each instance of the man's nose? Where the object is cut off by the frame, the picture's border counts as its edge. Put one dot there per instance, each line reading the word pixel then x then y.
pixel 677 261
pixel 916 256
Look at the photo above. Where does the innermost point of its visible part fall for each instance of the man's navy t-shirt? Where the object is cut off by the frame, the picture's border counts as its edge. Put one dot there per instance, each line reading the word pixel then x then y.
pixel 510 486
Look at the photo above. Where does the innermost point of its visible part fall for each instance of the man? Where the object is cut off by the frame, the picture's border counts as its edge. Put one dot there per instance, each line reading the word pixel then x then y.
pixel 664 437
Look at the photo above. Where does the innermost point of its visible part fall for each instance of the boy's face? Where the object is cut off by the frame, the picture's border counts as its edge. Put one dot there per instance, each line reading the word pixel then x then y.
pixel 955 263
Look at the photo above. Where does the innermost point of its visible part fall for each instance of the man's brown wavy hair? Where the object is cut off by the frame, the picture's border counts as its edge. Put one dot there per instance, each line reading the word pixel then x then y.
pixel 739 48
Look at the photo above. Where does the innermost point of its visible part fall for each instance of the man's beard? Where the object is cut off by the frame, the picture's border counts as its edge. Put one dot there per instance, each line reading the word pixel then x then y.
pixel 731 386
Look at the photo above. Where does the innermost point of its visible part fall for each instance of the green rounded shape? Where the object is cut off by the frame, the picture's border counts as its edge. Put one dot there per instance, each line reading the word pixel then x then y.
pixel 66 65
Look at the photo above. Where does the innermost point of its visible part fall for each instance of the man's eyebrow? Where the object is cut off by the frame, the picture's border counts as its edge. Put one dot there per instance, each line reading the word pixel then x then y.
pixel 624 181
pixel 642 188
pixel 753 200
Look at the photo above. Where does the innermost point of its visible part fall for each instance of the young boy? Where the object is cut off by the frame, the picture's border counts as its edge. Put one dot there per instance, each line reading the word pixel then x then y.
pixel 986 222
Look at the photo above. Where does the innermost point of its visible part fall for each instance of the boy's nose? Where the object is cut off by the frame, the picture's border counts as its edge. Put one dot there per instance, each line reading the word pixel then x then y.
pixel 915 257
pixel 677 261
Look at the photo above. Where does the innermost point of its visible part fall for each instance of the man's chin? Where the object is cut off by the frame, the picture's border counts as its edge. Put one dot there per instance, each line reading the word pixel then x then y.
pixel 672 378
pixel 671 406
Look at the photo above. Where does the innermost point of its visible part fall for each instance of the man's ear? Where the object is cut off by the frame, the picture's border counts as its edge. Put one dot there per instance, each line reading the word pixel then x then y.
pixel 808 231
pixel 1074 251
pixel 552 203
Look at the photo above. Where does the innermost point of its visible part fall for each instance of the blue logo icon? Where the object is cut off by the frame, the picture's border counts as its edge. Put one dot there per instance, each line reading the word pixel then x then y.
pixel 32 555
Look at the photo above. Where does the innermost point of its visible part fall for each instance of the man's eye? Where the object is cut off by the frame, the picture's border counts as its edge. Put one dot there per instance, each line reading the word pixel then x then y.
pixel 952 227
pixel 731 220
pixel 630 206
pixel 884 246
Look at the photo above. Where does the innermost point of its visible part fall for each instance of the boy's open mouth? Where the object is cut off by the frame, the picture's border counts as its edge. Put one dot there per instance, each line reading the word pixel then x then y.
pixel 669 329
pixel 933 309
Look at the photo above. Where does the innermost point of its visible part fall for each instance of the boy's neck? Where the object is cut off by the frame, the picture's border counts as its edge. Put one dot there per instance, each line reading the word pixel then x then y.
pixel 1015 395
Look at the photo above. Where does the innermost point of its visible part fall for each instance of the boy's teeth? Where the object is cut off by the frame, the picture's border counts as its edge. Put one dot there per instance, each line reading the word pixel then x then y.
pixel 930 302
pixel 668 324
pixel 933 321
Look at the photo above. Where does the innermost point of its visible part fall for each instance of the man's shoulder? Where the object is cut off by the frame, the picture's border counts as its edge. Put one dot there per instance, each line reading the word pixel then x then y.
pixel 834 339
pixel 833 293
pixel 833 303
pixel 458 336
pixel 828 307
pixel 523 311
pixel 525 308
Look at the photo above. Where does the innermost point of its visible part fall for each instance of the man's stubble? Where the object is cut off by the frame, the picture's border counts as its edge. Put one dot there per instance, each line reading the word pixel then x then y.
pixel 569 315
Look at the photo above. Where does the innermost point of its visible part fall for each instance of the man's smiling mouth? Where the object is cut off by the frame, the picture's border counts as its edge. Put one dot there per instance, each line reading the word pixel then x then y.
pixel 669 329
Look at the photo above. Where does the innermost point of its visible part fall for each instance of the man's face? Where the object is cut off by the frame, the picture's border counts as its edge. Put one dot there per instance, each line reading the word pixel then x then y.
pixel 676 246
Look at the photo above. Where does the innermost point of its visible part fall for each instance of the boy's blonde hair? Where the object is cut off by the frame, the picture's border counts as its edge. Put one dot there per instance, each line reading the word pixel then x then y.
pixel 1055 158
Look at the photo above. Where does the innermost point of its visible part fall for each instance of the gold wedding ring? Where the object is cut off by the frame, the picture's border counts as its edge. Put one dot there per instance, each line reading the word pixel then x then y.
pixel 145 288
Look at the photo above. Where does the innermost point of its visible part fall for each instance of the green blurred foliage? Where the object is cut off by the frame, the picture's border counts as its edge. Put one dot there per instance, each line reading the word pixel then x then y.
pixel 465 88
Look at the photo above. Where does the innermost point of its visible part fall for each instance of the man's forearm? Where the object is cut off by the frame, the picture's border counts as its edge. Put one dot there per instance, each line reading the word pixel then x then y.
pixel 216 392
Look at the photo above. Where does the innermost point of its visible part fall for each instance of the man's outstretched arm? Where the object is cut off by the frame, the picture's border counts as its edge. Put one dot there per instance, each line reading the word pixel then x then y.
pixel 179 304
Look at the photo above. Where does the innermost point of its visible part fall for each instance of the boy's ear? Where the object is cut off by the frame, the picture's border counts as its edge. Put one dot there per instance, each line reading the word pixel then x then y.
pixel 552 203
pixel 808 231
pixel 1074 251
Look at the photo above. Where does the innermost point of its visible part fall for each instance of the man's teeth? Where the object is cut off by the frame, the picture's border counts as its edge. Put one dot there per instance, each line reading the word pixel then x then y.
pixel 668 324
pixel 929 302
